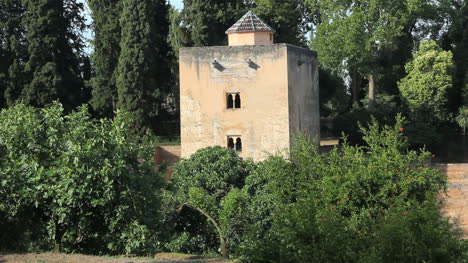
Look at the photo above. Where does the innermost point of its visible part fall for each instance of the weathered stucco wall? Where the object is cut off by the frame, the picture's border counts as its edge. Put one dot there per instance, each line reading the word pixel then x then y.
pixel 304 116
pixel 262 122
pixel 250 38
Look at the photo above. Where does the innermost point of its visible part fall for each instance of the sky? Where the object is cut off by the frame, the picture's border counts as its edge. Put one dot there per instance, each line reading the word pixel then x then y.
pixel 177 3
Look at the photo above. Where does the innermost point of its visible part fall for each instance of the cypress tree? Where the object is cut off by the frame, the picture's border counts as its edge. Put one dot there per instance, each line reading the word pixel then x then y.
pixel 12 51
pixel 458 33
pixel 138 89
pixel 3 70
pixel 166 70
pixel 53 45
pixel 106 44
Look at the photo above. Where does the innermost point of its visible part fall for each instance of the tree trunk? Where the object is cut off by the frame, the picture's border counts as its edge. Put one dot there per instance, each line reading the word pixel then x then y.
pixel 58 237
pixel 371 91
pixel 355 86
pixel 222 240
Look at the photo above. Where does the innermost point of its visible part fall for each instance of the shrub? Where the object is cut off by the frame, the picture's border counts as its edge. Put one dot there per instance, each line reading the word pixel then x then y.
pixel 206 189
pixel 90 185
pixel 344 202
pixel 385 108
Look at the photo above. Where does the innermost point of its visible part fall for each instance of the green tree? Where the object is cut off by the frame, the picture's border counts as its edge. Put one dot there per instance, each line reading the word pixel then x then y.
pixel 140 84
pixel 332 95
pixel 207 20
pixel 209 182
pixel 91 185
pixel 204 22
pixel 106 44
pixel 52 65
pixel 428 81
pixel 354 204
pixel 289 18
pixel 351 34
pixel 455 39
pixel 12 50
pixel 167 69
pixel 425 91
pixel 462 118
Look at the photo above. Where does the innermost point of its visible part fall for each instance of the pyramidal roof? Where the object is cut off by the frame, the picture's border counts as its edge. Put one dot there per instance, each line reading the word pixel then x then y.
pixel 250 22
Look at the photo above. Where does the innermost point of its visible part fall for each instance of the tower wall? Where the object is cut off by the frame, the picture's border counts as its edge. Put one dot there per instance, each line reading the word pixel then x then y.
pixel 304 115
pixel 262 122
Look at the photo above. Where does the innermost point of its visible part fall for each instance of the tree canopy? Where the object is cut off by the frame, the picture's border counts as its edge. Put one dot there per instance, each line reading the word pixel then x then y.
pixel 85 182
pixel 351 34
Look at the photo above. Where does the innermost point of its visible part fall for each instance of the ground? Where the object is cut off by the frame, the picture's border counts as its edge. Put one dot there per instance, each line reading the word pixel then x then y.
pixel 75 258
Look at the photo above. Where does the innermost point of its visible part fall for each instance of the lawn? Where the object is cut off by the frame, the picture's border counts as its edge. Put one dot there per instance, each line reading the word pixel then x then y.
pixel 76 258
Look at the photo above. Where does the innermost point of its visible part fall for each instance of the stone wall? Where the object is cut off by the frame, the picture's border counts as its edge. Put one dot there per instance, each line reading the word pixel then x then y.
pixel 455 202
pixel 168 155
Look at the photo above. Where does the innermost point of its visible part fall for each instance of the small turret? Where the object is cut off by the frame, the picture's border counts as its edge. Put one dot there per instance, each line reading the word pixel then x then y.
pixel 250 30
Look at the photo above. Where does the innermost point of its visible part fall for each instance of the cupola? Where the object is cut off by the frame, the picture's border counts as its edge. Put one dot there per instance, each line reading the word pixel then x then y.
pixel 250 30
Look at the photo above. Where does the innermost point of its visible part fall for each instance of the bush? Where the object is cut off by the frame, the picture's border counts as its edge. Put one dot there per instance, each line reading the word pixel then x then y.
pixel 345 203
pixel 90 186
pixel 385 108
pixel 206 189
pixel 418 234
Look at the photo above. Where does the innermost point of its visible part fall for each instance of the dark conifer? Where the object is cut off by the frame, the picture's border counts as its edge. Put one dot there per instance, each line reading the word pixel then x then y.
pixel 53 42
pixel 138 89
pixel 12 51
pixel 106 44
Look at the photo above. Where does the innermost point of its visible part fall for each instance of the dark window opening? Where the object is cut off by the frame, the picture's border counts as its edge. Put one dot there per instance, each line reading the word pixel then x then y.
pixel 230 101
pixel 230 143
pixel 233 100
pixel 239 145
pixel 237 101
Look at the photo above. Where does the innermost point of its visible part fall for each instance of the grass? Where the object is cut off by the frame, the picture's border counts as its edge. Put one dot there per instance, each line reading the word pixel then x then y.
pixel 168 140
pixel 78 258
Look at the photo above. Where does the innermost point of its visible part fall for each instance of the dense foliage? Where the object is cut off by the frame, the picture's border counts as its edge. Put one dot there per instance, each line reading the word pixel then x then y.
pixel 79 185
pixel 209 182
pixel 374 203
pixel 358 204
pixel 363 47
pixel 425 91
pixel 106 44
pixel 75 183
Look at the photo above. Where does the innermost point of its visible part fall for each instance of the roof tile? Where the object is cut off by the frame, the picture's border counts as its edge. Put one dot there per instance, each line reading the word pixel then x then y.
pixel 250 22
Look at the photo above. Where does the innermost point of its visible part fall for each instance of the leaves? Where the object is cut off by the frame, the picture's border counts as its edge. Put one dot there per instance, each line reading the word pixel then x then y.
pixel 91 178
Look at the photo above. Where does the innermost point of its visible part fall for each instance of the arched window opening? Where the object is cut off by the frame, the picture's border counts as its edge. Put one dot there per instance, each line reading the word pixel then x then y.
pixel 230 101
pixel 237 104
pixel 239 145
pixel 230 144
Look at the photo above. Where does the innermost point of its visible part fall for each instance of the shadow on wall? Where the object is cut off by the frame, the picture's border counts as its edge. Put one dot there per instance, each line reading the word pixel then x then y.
pixel 169 156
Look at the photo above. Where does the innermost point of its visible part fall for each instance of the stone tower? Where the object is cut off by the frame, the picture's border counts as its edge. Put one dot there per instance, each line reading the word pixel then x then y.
pixel 253 96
